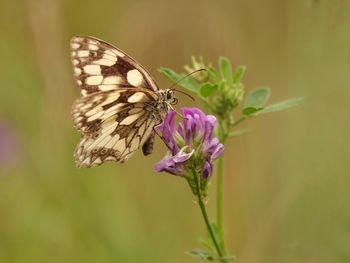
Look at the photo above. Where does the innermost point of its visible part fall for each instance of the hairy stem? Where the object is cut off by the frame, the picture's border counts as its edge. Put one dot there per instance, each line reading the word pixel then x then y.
pixel 206 218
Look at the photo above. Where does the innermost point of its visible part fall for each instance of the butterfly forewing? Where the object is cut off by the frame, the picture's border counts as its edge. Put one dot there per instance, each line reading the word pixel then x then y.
pixel 98 66
pixel 115 115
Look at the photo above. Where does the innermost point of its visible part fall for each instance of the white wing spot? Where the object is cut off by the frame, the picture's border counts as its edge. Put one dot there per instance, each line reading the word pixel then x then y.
pixel 95 116
pixel 135 110
pixel 92 112
pixel 113 80
pixel 118 53
pixel 92 69
pixel 94 80
pixel 78 39
pixel 83 92
pixel 130 119
pixel 111 53
pixel 74 45
pixel 134 77
pixel 77 71
pixel 104 62
pixel 137 97
pixel 112 109
pixel 107 87
pixel 107 56
pixel 120 145
pixel 93 47
pixel 109 127
pixel 83 53
pixel 134 144
pixel 111 143
pixel 75 62
pixel 93 42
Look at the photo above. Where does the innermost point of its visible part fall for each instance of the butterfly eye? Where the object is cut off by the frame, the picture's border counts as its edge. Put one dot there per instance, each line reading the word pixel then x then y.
pixel 174 101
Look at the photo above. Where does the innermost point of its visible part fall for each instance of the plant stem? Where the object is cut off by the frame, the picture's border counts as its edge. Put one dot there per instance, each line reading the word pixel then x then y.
pixel 206 218
pixel 220 200
pixel 220 188
pixel 238 121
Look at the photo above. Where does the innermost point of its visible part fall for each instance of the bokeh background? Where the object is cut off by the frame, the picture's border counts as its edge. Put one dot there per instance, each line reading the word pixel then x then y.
pixel 287 182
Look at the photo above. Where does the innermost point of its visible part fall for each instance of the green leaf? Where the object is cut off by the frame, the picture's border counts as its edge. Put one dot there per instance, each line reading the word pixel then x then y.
pixel 207 242
pixel 200 253
pixel 207 89
pixel 239 132
pixel 170 74
pixel 228 258
pixel 249 111
pixel 238 75
pixel 213 74
pixel 219 232
pixel 188 83
pixel 257 98
pixel 283 105
pixel 226 69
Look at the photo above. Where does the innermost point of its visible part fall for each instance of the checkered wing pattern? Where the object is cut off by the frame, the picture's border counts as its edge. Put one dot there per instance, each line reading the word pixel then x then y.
pixel 117 110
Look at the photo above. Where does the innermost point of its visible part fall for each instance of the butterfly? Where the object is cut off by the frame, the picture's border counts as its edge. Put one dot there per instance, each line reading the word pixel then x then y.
pixel 120 103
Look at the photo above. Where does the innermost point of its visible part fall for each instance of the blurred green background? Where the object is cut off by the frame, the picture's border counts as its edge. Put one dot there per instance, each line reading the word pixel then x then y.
pixel 287 182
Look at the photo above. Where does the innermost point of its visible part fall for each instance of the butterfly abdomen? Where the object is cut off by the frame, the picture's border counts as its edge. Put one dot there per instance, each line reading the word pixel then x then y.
pixel 147 148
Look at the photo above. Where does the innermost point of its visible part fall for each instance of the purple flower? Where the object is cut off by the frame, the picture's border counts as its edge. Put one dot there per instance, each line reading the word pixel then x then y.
pixel 191 144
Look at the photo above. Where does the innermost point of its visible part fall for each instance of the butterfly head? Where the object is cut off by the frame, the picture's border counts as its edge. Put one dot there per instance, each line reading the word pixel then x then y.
pixel 168 96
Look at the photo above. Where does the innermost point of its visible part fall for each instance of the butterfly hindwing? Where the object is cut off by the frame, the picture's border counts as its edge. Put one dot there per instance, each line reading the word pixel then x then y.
pixel 98 66
pixel 113 125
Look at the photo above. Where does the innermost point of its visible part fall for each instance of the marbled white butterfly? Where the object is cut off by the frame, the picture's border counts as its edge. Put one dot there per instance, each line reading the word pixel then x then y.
pixel 120 103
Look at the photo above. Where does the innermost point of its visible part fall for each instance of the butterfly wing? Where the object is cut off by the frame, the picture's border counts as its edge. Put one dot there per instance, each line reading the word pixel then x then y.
pixel 113 125
pixel 99 66
pixel 113 115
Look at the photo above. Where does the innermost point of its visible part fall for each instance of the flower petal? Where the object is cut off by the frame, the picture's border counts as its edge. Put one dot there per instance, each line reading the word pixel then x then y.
pixel 219 149
pixel 183 155
pixel 168 165
pixel 207 170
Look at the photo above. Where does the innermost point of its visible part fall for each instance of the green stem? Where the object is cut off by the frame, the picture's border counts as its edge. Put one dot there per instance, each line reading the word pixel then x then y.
pixel 220 188
pixel 238 121
pixel 206 218
pixel 220 200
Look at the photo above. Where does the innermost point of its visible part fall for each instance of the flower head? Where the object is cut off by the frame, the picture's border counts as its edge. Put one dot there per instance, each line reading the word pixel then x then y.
pixel 192 147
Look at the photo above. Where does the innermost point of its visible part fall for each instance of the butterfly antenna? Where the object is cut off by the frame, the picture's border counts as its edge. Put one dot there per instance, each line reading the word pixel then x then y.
pixel 188 95
pixel 181 79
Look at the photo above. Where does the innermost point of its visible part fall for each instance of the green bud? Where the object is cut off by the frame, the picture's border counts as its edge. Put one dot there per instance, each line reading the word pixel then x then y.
pixel 201 76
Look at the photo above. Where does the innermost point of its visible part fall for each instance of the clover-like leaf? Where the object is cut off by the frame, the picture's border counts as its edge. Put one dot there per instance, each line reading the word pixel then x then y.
pixel 207 89
pixel 170 74
pixel 255 101
pixel 188 83
pixel 226 69
pixel 283 105
pixel 200 253
pixel 227 258
pixel 238 74
pixel 257 98
pixel 250 111
pixel 213 74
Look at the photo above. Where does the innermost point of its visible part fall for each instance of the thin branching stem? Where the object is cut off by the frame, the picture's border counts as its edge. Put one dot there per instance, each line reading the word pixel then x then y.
pixel 206 218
